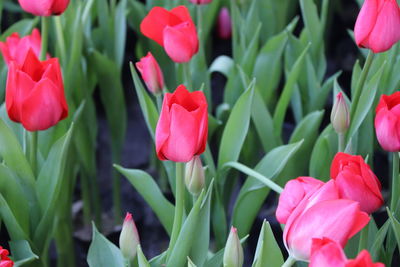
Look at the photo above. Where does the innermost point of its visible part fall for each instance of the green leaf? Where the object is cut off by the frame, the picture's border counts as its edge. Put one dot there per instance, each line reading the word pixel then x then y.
pixel 149 190
pixel 395 226
pixel 120 32
pixel 149 110
pixel 222 64
pixel 22 253
pixel 103 253
pixel 236 128
pixel 142 261
pixel 14 229
pixel 379 238
pixel 23 27
pixel 267 252
pixel 253 192
pixel 280 110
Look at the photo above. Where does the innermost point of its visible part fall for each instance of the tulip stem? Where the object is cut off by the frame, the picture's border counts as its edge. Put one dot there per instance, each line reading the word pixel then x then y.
pixel 342 142
pixel 360 84
pixel 33 151
pixel 199 22
pixel 395 181
pixel 179 205
pixel 289 261
pixel 187 76
pixel 45 37
pixel 60 39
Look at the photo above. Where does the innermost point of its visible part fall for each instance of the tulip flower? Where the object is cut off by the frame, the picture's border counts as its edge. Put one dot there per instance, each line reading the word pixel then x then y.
pixel 321 214
pixel 129 238
pixel 377 25
pixel 5 261
pixel 35 93
pixel 387 122
pixel 200 2
pixel 224 24
pixel 194 176
pixel 355 180
pixel 44 7
pixel 151 73
pixel 340 116
pixel 328 253
pixel 174 30
pixel 16 48
pixel 233 254
pixel 182 128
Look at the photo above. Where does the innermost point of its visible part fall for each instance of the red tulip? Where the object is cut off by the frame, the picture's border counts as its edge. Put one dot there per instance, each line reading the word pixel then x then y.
pixel 387 122
pixel 174 30
pixel 151 73
pixel 44 7
pixel 35 93
pixel 377 25
pixel 4 259
pixel 182 129
pixel 224 24
pixel 322 214
pixel 16 48
pixel 328 253
pixel 355 180
pixel 200 2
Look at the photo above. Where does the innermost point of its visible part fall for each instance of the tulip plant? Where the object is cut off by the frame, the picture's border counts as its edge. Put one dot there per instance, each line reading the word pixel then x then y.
pixel 260 156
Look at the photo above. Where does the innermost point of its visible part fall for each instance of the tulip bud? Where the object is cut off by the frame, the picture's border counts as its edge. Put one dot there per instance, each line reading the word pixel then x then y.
pixel 129 238
pixel 224 24
pixel 151 73
pixel 233 255
pixel 194 176
pixel 340 117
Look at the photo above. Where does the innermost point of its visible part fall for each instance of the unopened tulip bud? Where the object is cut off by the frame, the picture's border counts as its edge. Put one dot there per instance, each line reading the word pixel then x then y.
pixel 151 73
pixel 194 176
pixel 233 255
pixel 340 117
pixel 224 24
pixel 129 238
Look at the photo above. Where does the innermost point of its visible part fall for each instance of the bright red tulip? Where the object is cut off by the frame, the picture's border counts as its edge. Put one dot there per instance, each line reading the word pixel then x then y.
pixel 16 48
pixel 224 24
pixel 174 30
pixel 328 253
pixel 44 7
pixel 377 25
pixel 200 2
pixel 5 261
pixel 387 122
pixel 151 73
pixel 322 214
pixel 182 129
pixel 35 93
pixel 355 180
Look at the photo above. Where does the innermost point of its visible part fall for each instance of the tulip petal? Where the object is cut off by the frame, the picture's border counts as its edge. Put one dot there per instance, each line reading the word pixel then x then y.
pixel 37 7
pixel 363 259
pixel 42 108
pixel 59 6
pixel 162 129
pixel 386 130
pixel 177 45
pixel 326 253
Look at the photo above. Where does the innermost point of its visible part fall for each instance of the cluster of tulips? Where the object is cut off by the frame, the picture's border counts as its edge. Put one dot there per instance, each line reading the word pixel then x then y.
pixel 320 217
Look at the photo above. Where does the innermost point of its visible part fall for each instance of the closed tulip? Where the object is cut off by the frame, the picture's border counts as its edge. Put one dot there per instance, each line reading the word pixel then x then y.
pixel 44 7
pixel 35 93
pixel 377 25
pixel 328 253
pixel 129 238
pixel 15 48
pixel 174 30
pixel 387 122
pixel 224 24
pixel 340 116
pixel 322 214
pixel 182 128
pixel 5 261
pixel 233 254
pixel 151 73
pixel 355 180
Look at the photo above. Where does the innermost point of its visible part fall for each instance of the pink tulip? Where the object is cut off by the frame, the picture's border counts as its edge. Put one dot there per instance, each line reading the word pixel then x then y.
pixel 355 180
pixel 377 25
pixel 387 122
pixel 328 253
pixel 224 24
pixel 44 7
pixel 16 48
pixel 151 73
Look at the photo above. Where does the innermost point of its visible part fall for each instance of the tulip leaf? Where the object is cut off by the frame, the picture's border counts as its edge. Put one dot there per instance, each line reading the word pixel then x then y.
pixel 395 226
pixel 14 229
pixel 236 128
pixel 253 192
pixel 23 27
pixel 378 240
pixel 267 252
pixel 120 32
pixel 222 64
pixel 103 253
pixel 149 190
pixel 283 102
pixel 22 253
pixel 142 261
pixel 149 110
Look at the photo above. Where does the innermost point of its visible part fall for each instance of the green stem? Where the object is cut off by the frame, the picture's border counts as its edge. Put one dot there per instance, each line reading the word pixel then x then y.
pixel 60 39
pixel 289 261
pixel 395 181
pixel 187 77
pixel 33 151
pixel 179 205
pixel 199 22
pixel 87 210
pixel 45 37
pixel 342 142
pixel 117 197
pixel 360 84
